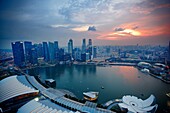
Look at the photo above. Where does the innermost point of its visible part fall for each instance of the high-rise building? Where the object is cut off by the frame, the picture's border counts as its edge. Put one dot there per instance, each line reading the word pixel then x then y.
pixel 56 45
pixel 18 53
pixel 61 54
pixel 56 50
pixel 34 56
pixel 94 52
pixel 28 47
pixel 90 42
pixel 83 57
pixel 51 52
pixel 46 51
pixel 70 47
pixel 90 49
pixel 84 46
pixel 77 54
pixel 39 49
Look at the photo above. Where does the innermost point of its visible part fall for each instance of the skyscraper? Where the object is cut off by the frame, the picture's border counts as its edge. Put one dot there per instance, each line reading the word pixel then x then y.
pixel 39 49
pixel 34 56
pixel 51 52
pixel 70 47
pixel 18 53
pixel 28 47
pixel 56 45
pixel 46 51
pixel 84 46
pixel 90 48
pixel 94 52
pixel 90 42
pixel 56 50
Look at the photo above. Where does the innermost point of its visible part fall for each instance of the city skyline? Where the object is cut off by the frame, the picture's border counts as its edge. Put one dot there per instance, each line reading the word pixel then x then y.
pixel 143 22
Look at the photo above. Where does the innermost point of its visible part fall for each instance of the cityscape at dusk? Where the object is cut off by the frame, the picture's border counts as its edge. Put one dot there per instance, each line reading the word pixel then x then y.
pixel 84 56
pixel 107 22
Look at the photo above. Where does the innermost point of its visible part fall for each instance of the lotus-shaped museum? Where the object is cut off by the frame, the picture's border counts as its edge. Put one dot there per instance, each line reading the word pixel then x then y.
pixel 136 105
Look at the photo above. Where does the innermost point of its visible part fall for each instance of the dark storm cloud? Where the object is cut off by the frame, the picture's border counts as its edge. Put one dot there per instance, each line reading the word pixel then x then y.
pixel 119 29
pixel 92 28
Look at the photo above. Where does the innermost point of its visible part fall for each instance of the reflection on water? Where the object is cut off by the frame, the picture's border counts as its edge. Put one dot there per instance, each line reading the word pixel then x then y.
pixel 117 82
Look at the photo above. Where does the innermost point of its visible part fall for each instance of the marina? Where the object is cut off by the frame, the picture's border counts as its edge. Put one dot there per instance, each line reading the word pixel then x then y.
pixel 79 79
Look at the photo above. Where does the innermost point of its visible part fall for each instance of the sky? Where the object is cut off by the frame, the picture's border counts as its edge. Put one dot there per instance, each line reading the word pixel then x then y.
pixel 106 22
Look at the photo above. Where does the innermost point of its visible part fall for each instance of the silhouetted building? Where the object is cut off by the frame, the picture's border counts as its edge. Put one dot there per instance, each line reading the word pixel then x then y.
pixel 56 45
pixel 67 57
pixel 83 57
pixel 70 47
pixel 56 50
pixel 61 54
pixel 18 53
pixel 77 54
pixel 84 46
pixel 90 49
pixel 28 47
pixel 46 51
pixel 51 52
pixel 34 56
pixel 94 52
pixel 39 49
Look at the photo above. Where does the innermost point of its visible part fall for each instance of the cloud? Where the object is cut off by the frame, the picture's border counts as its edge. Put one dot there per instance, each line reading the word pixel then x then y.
pixel 119 29
pixel 60 25
pixel 92 28
pixel 80 28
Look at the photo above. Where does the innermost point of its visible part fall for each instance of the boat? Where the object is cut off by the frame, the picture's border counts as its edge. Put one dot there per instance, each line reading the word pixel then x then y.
pixel 91 95
pixel 168 94
pixel 102 87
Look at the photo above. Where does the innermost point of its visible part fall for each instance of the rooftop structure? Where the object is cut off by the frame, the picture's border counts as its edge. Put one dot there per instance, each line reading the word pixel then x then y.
pixel 35 107
pixel 11 87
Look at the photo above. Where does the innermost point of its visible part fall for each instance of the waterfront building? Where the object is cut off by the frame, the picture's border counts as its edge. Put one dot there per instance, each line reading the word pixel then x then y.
pixel 77 54
pixel 70 47
pixel 94 52
pixel 34 56
pixel 56 45
pixel 51 52
pixel 84 46
pixel 83 57
pixel 28 47
pixel 46 51
pixel 67 57
pixel 88 56
pixel 90 49
pixel 61 54
pixel 56 50
pixel 135 105
pixel 18 53
pixel 39 49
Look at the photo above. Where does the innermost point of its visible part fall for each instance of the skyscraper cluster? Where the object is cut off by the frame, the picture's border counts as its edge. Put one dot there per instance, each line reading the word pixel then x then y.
pixel 27 54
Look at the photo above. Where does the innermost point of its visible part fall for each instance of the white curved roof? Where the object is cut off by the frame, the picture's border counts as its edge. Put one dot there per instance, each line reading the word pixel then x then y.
pixel 37 107
pixel 137 105
pixel 11 87
pixel 144 63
